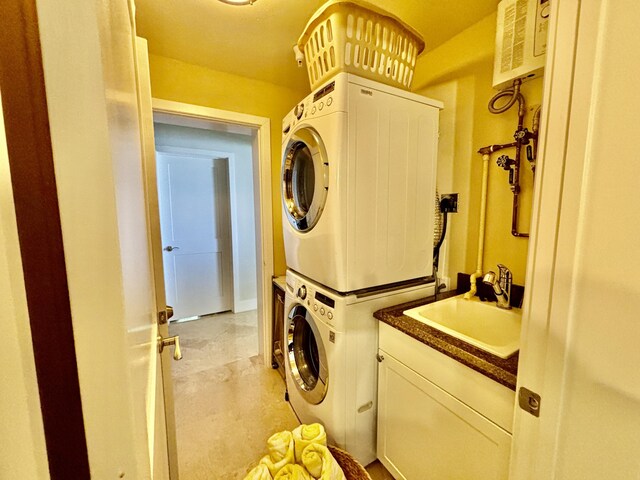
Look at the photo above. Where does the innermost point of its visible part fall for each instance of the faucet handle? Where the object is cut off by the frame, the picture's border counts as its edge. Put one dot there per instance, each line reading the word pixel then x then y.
pixel 505 275
pixel 505 285
pixel 503 268
pixel 505 278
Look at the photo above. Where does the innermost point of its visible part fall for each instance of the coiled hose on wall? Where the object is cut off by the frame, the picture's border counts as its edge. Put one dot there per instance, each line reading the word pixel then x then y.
pixel 514 96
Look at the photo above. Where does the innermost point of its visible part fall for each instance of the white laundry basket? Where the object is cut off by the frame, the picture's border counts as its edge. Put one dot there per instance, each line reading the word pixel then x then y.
pixel 357 37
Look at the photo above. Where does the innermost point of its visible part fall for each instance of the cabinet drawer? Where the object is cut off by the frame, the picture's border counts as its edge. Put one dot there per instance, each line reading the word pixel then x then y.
pixel 482 394
pixel 425 433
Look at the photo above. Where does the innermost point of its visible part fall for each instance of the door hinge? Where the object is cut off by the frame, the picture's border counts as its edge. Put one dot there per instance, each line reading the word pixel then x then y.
pixel 529 401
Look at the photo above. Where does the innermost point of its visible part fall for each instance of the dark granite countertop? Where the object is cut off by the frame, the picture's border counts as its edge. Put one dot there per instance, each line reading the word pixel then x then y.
pixel 501 370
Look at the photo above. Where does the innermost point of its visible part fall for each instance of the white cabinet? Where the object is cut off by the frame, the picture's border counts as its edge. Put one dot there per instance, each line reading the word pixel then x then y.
pixel 426 433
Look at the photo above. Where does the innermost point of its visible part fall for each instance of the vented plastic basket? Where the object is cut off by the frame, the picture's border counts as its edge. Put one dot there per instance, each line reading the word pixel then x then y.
pixel 357 37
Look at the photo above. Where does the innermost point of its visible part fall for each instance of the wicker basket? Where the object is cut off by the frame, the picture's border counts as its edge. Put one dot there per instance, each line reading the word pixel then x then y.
pixel 357 37
pixel 350 466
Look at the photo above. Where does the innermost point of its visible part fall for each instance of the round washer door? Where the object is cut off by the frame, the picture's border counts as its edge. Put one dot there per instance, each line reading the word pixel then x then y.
pixel 306 354
pixel 305 178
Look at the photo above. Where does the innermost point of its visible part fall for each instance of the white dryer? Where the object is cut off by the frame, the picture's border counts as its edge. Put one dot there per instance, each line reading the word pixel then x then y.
pixel 358 184
pixel 331 368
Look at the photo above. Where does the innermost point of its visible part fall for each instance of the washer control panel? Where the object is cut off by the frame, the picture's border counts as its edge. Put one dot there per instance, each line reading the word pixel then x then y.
pixel 324 305
pixel 302 292
pixel 321 304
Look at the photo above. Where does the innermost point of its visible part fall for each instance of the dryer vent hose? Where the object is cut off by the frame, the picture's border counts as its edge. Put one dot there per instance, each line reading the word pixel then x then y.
pixel 439 230
pixel 437 226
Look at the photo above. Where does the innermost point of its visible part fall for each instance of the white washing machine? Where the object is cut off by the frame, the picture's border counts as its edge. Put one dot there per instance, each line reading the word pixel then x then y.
pixel 358 184
pixel 331 368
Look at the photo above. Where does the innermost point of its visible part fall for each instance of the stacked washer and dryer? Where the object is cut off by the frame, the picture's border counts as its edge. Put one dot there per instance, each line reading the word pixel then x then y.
pixel 358 190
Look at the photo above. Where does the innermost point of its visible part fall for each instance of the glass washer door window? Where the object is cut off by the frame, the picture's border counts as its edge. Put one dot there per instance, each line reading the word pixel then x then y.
pixel 305 178
pixel 306 355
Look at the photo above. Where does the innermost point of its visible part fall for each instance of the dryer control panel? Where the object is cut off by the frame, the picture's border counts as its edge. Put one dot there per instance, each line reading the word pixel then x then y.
pixel 325 100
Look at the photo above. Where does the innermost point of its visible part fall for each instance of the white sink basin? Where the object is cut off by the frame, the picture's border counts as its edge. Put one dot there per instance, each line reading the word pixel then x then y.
pixel 481 324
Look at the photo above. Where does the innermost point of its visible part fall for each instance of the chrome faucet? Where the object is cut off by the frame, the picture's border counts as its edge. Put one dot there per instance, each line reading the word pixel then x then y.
pixel 501 286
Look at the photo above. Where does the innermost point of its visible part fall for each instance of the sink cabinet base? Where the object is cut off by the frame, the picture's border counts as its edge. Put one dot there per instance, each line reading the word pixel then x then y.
pixel 438 419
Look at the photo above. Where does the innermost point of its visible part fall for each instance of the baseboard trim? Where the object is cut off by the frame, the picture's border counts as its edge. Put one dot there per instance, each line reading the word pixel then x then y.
pixel 245 305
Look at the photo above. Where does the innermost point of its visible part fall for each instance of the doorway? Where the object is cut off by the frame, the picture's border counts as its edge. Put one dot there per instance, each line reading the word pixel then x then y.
pixel 257 169
pixel 259 130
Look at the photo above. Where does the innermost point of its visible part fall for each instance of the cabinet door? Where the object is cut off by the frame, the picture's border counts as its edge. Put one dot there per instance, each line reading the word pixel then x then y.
pixel 424 433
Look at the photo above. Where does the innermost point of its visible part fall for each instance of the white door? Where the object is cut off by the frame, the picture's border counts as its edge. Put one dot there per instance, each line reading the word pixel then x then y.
pixel 582 309
pixel 196 235
pixel 164 439
pixel 89 59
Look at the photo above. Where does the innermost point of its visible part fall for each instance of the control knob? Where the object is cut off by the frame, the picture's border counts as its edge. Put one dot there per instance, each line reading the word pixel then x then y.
pixel 299 110
pixel 302 292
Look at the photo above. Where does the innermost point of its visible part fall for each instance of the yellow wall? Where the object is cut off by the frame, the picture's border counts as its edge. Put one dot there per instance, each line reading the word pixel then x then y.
pixel 460 72
pixel 182 82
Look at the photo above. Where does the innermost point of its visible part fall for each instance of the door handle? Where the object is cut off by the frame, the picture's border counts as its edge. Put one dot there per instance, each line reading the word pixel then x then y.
pixel 170 248
pixel 166 342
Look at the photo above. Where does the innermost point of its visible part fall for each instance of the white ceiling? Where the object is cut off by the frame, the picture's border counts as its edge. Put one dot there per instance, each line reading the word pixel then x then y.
pixel 256 41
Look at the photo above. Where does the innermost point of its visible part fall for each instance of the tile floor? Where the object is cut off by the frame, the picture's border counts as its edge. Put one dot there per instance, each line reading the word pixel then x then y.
pixel 227 402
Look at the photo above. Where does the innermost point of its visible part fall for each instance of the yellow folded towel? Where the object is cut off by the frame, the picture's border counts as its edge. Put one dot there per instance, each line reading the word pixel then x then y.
pixel 292 472
pixel 281 452
pixel 318 460
pixel 261 472
pixel 305 435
